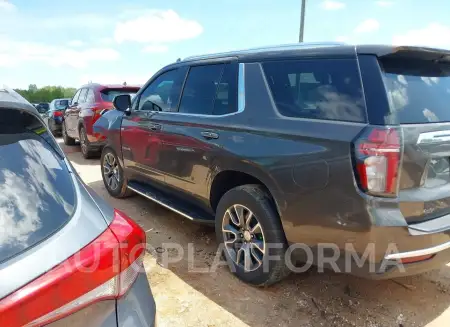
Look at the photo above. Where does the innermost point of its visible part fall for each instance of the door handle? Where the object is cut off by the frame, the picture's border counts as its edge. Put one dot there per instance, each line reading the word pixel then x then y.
pixel 155 127
pixel 210 135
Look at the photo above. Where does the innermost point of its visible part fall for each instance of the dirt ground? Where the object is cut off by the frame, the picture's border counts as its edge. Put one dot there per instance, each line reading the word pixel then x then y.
pixel 218 299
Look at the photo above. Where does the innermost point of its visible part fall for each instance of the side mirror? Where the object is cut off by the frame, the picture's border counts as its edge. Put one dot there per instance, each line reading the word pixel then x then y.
pixel 122 102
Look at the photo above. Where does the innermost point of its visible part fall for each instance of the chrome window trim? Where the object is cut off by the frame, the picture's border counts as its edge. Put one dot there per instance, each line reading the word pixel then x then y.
pixel 240 100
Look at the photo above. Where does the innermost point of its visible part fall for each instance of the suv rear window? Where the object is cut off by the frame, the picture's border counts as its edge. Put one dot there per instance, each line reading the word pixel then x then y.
pixel 37 196
pixel 108 95
pixel 61 104
pixel 418 90
pixel 328 89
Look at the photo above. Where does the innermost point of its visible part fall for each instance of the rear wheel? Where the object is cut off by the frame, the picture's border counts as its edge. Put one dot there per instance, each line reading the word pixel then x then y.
pixel 248 226
pixel 67 139
pixel 113 176
pixel 86 149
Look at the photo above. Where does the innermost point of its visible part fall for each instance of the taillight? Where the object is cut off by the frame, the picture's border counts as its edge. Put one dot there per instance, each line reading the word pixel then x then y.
pixel 97 114
pixel 378 156
pixel 57 114
pixel 104 269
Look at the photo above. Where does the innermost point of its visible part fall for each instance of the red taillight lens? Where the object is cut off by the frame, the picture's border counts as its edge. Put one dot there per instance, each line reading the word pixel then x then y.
pixel 58 114
pixel 377 156
pixel 97 114
pixel 104 269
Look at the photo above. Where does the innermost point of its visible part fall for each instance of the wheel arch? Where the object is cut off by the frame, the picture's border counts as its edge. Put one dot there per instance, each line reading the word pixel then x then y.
pixel 226 179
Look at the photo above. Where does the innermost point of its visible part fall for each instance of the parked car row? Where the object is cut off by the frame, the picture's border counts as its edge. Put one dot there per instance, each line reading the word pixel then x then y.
pixel 84 110
pixel 308 144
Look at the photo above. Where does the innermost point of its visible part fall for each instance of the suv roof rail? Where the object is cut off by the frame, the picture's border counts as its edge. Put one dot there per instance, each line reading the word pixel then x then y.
pixel 292 46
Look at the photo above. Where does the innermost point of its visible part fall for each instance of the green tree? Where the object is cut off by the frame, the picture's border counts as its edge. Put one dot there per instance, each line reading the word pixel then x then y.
pixel 46 93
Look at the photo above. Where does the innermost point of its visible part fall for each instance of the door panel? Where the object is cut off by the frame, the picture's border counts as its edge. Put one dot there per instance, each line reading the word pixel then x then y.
pixel 141 134
pixel 141 144
pixel 185 154
pixel 71 113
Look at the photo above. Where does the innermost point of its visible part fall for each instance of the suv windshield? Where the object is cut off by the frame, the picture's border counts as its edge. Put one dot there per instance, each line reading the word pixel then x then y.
pixel 37 196
pixel 418 91
pixel 108 95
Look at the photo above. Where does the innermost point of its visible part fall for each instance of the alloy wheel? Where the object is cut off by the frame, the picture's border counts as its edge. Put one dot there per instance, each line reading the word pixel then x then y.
pixel 111 171
pixel 243 237
pixel 83 141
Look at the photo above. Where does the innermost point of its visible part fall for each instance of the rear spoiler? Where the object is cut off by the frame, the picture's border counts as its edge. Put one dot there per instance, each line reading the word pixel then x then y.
pixel 410 52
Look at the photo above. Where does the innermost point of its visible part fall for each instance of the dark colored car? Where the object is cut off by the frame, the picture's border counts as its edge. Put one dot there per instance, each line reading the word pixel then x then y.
pixel 297 145
pixel 42 107
pixel 85 108
pixel 66 257
pixel 54 116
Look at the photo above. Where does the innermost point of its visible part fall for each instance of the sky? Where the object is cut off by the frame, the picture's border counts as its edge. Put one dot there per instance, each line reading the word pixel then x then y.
pixel 72 42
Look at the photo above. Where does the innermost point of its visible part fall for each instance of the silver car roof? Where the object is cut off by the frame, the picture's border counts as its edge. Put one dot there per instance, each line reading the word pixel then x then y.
pixel 12 100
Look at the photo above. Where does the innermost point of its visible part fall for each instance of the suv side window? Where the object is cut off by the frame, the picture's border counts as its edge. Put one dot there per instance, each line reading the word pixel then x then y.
pixel 226 95
pixel 90 98
pixel 75 97
pixel 328 89
pixel 82 98
pixel 163 93
pixel 200 89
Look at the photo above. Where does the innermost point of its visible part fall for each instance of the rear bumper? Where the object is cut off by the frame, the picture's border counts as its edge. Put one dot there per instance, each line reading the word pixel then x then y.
pixel 382 251
pixel 137 308
pixel 55 125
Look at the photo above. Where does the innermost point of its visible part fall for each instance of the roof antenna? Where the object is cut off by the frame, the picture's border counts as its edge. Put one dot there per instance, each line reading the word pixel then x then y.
pixel 179 59
pixel 124 84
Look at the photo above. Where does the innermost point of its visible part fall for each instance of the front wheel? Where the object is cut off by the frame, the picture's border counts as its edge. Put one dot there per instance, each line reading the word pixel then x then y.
pixel 86 149
pixel 249 229
pixel 67 139
pixel 113 176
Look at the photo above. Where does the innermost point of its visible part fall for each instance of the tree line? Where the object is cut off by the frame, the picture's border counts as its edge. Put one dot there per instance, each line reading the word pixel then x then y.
pixel 46 93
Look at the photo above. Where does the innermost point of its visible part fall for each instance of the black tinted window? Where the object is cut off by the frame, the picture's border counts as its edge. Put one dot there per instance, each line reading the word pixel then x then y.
pixel 418 91
pixel 37 195
pixel 163 93
pixel 108 95
pixel 200 89
pixel 226 94
pixel 317 89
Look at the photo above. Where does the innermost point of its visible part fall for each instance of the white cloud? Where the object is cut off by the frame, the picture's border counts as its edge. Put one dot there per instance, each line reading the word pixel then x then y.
pixel 6 6
pixel 433 35
pixel 367 26
pixel 332 5
pixel 384 3
pixel 15 52
pixel 156 48
pixel 106 41
pixel 75 43
pixel 157 26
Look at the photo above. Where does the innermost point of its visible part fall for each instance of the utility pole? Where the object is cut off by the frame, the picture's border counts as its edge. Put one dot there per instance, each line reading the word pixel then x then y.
pixel 302 22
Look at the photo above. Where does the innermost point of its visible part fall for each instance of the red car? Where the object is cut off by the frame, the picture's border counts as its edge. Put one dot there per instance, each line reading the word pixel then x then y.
pixel 84 110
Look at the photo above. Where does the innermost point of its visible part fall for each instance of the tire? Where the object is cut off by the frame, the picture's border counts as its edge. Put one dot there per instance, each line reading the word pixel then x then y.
pixel 254 198
pixel 67 139
pixel 121 191
pixel 86 150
